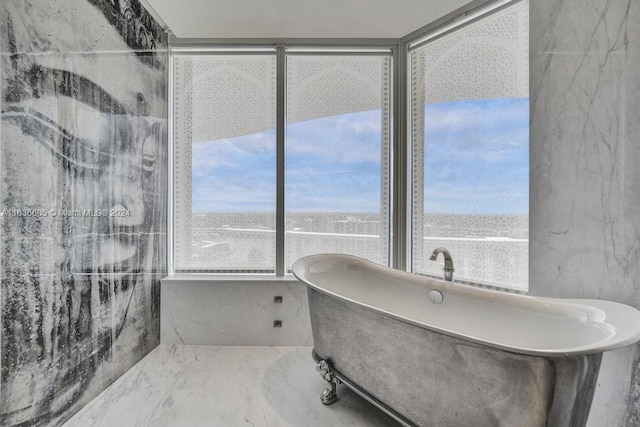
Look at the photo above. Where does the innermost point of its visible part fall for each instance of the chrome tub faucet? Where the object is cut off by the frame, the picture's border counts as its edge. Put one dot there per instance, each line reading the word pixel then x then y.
pixel 448 262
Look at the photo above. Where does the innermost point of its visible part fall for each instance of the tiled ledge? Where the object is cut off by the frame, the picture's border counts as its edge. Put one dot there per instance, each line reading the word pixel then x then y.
pixel 208 277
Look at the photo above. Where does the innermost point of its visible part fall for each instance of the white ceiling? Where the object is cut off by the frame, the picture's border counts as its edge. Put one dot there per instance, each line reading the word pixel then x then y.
pixel 299 18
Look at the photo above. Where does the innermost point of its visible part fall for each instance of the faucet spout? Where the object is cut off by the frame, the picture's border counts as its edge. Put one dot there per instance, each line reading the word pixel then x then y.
pixel 448 262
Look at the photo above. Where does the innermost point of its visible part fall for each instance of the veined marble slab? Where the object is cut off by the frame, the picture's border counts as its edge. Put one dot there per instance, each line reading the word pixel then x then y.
pixel 585 179
pixel 234 312
pixel 178 385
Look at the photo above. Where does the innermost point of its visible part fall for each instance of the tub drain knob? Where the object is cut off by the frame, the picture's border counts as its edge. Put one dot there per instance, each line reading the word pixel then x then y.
pixel 436 297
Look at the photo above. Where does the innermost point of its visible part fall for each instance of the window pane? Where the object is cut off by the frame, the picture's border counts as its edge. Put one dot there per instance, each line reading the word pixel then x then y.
pixel 470 133
pixel 225 164
pixel 337 145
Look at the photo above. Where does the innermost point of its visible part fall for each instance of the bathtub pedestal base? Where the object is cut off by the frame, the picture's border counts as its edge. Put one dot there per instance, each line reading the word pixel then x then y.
pixel 338 378
pixel 330 395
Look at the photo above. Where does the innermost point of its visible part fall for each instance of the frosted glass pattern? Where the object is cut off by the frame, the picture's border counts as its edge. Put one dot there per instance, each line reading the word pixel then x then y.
pixel 225 162
pixel 470 141
pixel 337 156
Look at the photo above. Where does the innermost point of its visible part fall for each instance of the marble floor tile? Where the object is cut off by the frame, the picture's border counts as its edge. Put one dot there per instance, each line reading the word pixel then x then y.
pixel 178 385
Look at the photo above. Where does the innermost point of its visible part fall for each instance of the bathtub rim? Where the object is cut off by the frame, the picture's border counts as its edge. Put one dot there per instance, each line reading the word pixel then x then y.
pixel 612 342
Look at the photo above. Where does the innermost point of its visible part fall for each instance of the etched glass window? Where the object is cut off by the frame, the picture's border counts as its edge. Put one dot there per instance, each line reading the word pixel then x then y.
pixel 470 146
pixel 337 156
pixel 225 162
pixel 336 162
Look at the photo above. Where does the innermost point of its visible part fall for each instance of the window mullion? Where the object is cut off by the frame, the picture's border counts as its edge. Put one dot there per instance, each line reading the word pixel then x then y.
pixel 399 167
pixel 280 158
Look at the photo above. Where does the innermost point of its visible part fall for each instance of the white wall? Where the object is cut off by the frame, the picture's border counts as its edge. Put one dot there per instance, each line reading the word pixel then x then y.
pixel 300 18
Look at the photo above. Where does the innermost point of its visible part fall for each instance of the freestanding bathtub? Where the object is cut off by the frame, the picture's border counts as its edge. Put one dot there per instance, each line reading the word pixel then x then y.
pixel 435 353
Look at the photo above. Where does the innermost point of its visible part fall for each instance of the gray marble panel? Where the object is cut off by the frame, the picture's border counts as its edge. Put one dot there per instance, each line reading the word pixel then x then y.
pixel 234 312
pixel 83 207
pixel 585 203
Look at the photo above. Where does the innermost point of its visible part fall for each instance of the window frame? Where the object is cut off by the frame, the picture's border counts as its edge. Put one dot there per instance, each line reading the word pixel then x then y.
pixel 201 50
pixel 400 231
pixel 457 20
pixel 281 48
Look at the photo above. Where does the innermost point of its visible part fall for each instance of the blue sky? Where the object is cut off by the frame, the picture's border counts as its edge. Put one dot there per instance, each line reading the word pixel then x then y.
pixel 477 156
pixel 235 175
pixel 476 162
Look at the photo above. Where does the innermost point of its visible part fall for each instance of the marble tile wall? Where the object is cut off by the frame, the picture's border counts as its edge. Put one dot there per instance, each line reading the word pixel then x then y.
pixel 234 312
pixel 585 174
pixel 83 200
